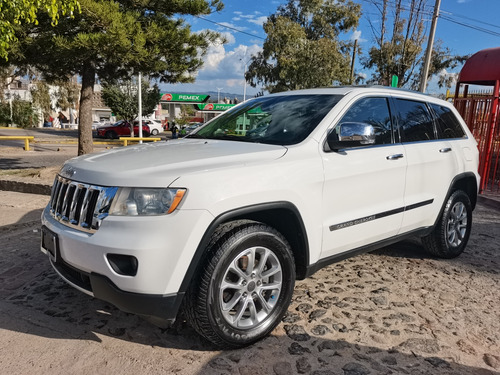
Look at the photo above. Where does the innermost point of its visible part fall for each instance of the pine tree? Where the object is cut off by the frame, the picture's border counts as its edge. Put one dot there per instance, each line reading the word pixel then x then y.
pixel 110 40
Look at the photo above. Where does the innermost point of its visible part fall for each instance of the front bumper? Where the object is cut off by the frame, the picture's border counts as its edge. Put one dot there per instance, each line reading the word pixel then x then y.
pixel 161 307
pixel 162 245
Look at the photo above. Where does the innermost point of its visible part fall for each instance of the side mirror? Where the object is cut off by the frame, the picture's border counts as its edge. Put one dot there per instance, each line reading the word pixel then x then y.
pixel 350 134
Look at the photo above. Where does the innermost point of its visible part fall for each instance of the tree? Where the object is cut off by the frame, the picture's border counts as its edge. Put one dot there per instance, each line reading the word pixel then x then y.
pixel 115 39
pixel 40 95
pixel 13 13
pixel 302 48
pixel 398 51
pixel 67 95
pixel 122 98
pixel 23 114
pixel 187 113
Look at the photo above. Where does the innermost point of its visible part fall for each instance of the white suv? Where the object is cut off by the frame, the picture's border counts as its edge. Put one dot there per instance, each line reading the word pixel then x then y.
pixel 221 223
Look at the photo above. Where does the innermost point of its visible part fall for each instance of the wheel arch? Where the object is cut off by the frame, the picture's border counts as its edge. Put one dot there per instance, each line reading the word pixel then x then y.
pixel 282 216
pixel 468 183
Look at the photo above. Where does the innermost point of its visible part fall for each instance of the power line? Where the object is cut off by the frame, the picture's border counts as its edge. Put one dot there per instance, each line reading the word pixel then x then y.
pixel 470 19
pixel 230 27
pixel 448 17
pixel 477 28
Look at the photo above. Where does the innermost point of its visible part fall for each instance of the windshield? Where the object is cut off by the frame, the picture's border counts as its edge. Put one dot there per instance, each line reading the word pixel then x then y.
pixel 278 120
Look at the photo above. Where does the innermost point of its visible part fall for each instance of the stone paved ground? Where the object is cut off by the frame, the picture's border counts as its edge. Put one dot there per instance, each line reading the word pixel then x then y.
pixel 394 311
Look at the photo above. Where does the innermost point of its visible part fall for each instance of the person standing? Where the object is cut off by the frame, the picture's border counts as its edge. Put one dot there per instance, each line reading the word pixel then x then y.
pixel 175 129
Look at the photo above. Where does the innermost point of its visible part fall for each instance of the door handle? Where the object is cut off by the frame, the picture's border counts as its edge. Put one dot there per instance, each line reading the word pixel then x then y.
pixel 395 157
pixel 446 149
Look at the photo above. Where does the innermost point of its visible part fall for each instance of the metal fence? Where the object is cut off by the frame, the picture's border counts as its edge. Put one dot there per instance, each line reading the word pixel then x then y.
pixel 482 118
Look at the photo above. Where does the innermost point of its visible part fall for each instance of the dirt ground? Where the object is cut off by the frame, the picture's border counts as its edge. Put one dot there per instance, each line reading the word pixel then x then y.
pixel 393 311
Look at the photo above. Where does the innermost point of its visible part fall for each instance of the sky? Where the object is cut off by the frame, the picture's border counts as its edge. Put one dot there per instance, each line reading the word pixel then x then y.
pixel 464 26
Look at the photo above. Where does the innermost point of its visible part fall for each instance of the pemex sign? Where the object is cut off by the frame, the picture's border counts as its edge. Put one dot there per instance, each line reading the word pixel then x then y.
pixel 214 106
pixel 184 98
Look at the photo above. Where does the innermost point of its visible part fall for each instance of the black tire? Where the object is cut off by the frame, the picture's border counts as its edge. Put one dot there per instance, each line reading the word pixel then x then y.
pixel 236 300
pixel 111 135
pixel 450 236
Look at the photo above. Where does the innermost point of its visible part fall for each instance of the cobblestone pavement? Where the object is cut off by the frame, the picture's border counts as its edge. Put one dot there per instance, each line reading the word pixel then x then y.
pixel 394 311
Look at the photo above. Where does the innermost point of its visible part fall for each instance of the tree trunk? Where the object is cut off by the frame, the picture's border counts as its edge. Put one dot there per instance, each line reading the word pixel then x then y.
pixel 85 144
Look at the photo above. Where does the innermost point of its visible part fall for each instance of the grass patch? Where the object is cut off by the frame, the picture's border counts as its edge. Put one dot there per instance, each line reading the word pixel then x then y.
pixel 27 172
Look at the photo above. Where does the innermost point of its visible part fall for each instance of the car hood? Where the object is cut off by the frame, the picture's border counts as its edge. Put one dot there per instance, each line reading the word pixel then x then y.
pixel 159 164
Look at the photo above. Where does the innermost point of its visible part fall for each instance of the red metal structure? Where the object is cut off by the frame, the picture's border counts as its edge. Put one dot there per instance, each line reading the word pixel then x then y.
pixel 481 112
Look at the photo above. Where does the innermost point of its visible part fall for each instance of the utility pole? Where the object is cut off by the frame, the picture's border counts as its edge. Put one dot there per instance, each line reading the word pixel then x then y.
pixel 139 94
pixel 10 100
pixel 430 42
pixel 353 60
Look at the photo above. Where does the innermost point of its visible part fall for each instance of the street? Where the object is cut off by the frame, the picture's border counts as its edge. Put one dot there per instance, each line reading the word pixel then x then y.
pixel 52 147
pixel 394 311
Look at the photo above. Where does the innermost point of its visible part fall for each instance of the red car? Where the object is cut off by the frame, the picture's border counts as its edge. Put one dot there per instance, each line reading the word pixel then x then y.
pixel 121 129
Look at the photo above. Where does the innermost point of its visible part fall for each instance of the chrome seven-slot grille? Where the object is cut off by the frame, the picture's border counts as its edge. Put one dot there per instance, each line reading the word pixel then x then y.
pixel 78 205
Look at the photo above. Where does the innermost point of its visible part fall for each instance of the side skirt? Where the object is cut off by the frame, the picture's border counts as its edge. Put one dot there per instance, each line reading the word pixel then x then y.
pixel 311 269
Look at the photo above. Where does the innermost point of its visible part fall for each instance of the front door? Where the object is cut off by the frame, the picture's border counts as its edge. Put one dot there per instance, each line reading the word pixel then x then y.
pixel 363 191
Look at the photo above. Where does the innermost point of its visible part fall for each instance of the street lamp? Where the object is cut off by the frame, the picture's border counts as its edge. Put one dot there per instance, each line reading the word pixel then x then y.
pixel 218 94
pixel 244 74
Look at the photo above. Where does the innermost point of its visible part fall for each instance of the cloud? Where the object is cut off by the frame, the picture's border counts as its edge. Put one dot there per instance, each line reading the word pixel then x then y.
pixel 356 35
pixel 225 64
pixel 258 21
pixel 230 39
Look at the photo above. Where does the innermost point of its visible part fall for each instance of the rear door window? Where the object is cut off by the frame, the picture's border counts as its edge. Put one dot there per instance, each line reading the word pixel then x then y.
pixel 447 124
pixel 415 121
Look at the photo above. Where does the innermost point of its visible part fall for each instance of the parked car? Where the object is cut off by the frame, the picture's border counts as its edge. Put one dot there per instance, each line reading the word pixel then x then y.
pixel 222 222
pixel 192 127
pixel 120 129
pixel 96 124
pixel 155 127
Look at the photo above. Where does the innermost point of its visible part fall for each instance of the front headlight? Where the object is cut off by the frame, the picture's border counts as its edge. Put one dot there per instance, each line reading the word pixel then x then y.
pixel 146 201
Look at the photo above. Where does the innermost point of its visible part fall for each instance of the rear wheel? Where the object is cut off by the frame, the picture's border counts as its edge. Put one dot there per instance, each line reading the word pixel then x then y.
pixel 245 287
pixel 451 234
pixel 154 132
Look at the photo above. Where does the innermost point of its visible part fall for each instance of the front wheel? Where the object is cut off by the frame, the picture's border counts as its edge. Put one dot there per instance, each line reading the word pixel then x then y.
pixel 451 234
pixel 154 132
pixel 111 135
pixel 245 286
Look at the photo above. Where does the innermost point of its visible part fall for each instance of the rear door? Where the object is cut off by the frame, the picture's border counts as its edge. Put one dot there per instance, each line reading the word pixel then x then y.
pixel 431 164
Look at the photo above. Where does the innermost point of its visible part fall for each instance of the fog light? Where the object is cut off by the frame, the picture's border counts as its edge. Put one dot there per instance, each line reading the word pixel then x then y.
pixel 125 265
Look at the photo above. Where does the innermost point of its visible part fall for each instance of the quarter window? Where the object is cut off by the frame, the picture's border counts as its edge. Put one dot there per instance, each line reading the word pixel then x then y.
pixel 447 124
pixel 375 112
pixel 415 121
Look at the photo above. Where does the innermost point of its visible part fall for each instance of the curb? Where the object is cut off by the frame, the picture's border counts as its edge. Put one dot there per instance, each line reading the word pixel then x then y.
pixel 25 187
